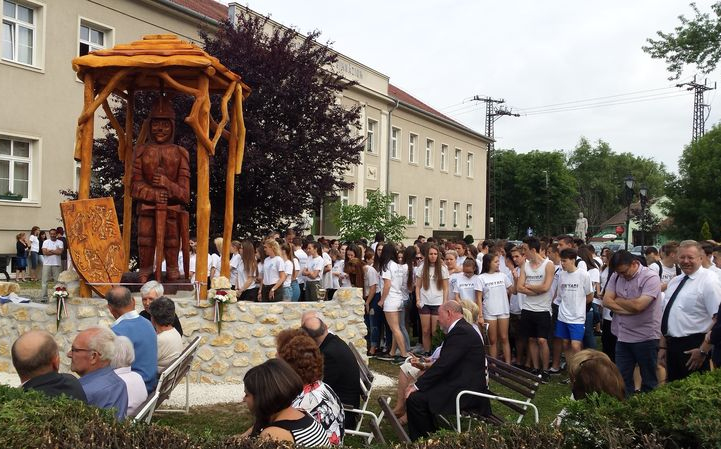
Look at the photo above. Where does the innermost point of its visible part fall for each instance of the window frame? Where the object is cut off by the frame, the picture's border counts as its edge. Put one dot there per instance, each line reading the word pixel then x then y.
pixel 412 202
pixel 428 155
pixel 396 143
pixel 344 197
pixel 428 211
pixel 371 146
pixel 395 202
pixel 444 157
pixel 35 27
pixel 442 213
pixel 456 207
pixel 412 141
pixel 470 165
pixel 33 154
pixel 457 154
pixel 469 215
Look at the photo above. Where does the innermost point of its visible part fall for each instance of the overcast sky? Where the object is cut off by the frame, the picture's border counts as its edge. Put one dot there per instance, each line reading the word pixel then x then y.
pixel 532 54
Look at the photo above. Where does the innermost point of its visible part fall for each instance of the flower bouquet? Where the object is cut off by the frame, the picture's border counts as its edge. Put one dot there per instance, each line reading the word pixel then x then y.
pixel 220 295
pixel 60 294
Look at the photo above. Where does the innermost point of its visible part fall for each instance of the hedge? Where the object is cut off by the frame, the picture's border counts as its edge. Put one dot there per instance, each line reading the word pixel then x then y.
pixel 684 414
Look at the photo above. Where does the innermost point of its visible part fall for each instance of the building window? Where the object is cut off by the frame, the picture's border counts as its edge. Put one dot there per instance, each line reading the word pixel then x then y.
pixel 393 207
pixel 15 165
pixel 91 38
pixel 19 33
pixel 444 157
pixel 344 197
pixel 412 141
pixel 427 211
pixel 429 153
pixel 442 213
pixel 371 136
pixel 469 165
pixel 456 206
pixel 412 209
pixel 457 162
pixel 395 143
pixel 469 215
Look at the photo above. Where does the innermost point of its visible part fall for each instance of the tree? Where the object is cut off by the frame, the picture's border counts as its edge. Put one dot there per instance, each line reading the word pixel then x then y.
pixel 705 231
pixel 696 41
pixel 694 197
pixel 299 140
pixel 362 222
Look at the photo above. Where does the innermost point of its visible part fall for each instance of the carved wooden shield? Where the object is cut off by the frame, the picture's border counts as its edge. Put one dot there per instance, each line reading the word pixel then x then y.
pixel 94 241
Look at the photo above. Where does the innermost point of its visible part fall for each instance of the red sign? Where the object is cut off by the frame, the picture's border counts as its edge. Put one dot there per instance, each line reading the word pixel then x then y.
pixel 619 230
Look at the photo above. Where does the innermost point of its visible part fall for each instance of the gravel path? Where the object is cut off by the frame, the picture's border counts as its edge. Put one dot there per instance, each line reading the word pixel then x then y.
pixel 206 394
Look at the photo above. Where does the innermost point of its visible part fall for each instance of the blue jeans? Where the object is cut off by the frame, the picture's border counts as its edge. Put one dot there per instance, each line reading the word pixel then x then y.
pixel 374 321
pixel 589 340
pixel 295 291
pixel 404 328
pixel 643 353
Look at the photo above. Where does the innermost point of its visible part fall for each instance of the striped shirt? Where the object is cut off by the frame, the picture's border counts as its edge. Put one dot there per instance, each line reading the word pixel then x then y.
pixel 306 431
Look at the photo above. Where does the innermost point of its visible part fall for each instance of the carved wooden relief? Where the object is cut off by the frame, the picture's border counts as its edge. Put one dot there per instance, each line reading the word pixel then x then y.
pixel 94 241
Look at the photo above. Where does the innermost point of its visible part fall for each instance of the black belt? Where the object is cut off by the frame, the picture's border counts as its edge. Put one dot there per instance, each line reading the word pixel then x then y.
pixel 692 337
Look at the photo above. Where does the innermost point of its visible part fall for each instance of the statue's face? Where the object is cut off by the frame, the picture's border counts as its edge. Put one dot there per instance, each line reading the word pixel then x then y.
pixel 580 215
pixel 161 130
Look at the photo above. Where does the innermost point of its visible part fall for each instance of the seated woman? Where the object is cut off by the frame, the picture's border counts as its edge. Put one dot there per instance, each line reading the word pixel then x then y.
pixel 302 354
pixel 123 358
pixel 592 371
pixel 270 389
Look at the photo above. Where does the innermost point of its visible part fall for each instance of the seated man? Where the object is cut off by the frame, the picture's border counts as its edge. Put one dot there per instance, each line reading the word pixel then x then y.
pixel 90 357
pixel 124 356
pixel 150 291
pixel 129 323
pixel 37 360
pixel 461 366
pixel 170 344
pixel 340 368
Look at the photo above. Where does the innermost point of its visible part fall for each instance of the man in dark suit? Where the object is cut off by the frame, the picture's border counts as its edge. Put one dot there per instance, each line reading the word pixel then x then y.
pixel 461 366
pixel 340 368
pixel 37 360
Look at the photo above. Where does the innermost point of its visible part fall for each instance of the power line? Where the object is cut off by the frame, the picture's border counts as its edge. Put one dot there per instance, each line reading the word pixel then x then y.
pixel 598 98
pixel 601 105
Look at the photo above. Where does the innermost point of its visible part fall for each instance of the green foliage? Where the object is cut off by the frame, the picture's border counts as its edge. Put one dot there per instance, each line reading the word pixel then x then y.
pixel 694 196
pixel 705 231
pixel 696 41
pixel 356 222
pixel 469 239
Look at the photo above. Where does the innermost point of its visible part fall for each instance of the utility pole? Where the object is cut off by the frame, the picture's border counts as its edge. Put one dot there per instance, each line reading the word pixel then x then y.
pixel 699 108
pixel 493 112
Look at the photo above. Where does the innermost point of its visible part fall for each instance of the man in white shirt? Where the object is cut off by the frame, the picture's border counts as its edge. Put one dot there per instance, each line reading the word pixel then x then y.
pixel 313 270
pixel 302 257
pixel 52 250
pixel 706 259
pixel 692 301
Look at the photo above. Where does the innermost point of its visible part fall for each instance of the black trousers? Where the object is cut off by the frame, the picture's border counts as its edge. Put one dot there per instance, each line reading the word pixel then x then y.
pixel 676 359
pixel 421 421
pixel 608 340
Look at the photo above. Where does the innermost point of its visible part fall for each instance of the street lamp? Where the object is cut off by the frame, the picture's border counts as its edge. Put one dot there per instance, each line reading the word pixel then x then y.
pixel 628 183
pixel 643 194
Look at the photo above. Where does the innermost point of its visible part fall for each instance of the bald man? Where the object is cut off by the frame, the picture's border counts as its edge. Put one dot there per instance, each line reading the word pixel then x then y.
pixel 340 368
pixel 36 359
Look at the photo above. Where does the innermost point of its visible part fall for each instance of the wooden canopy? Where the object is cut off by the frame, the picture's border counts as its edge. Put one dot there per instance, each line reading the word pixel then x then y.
pixel 165 63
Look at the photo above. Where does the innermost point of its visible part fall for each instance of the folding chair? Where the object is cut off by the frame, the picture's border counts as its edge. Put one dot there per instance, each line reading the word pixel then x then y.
pixel 366 383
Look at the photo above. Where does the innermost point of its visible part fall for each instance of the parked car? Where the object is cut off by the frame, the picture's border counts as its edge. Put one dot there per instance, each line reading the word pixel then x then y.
pixel 637 250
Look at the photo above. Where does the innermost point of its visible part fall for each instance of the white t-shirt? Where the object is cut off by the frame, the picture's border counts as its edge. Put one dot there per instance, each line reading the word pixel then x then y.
pixel 170 345
pixel 214 260
pixel 460 260
pixel 606 314
pixel 466 286
pixel 272 267
pixel 235 261
pixel 289 267
pixel 518 299
pixel 55 258
pixel 537 276
pixel 397 275
pixel 572 289
pixel 302 263
pixel 495 293
pixel 315 264
pixel 243 278
pixel 554 287
pixel 339 277
pixel 370 278
pixel 327 277
pixel 34 243
pixel 452 282
pixel 433 296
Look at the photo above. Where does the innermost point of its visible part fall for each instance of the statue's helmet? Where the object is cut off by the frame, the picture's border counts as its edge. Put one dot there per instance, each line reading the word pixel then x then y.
pixel 162 108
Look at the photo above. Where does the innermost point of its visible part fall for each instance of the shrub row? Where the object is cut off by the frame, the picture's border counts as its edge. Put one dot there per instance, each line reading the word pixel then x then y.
pixel 679 415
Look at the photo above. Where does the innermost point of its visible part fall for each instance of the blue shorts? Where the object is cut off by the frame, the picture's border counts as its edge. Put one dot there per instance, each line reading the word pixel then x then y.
pixel 566 331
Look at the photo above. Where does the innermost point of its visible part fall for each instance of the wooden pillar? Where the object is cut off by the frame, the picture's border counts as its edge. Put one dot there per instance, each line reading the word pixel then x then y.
pixel 128 177
pixel 202 215
pixel 86 159
pixel 229 196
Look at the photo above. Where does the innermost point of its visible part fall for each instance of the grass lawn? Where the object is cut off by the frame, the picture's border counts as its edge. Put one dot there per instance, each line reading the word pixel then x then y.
pixel 233 418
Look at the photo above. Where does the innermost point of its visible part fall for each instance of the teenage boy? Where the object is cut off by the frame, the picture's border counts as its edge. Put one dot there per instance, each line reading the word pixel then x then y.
pixel 666 266
pixel 314 271
pixel 575 293
pixel 555 257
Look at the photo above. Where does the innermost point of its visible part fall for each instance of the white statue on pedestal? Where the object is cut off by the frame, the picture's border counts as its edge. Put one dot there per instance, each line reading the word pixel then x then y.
pixel 581 227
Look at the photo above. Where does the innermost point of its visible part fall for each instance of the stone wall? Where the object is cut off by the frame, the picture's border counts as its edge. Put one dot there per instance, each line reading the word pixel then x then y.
pixel 247 337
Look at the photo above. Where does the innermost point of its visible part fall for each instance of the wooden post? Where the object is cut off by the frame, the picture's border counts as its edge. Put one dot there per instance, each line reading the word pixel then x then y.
pixel 128 177
pixel 202 217
pixel 229 197
pixel 86 159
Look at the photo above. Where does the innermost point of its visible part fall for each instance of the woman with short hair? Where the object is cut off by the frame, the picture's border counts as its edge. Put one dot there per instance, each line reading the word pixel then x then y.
pixel 317 398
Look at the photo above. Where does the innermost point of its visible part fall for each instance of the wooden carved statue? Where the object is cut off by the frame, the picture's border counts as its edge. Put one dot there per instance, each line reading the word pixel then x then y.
pixel 161 188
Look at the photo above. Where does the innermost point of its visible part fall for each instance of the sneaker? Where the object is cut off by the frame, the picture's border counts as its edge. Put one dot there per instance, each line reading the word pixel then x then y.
pixel 398 360
pixel 384 356
pixel 545 377
pixel 554 371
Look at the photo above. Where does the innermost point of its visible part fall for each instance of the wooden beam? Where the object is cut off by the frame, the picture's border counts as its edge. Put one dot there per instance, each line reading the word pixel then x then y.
pixel 228 225
pixel 202 216
pixel 86 158
pixel 128 176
